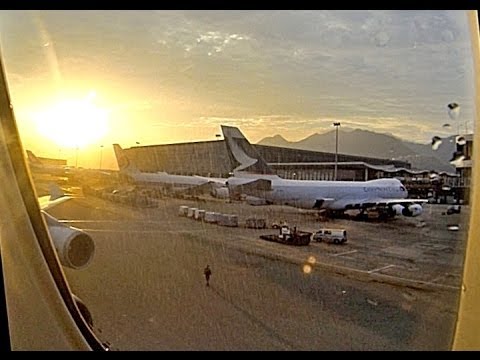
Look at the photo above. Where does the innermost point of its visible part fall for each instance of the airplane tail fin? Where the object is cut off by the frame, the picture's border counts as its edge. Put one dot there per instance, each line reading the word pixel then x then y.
pixel 33 159
pixel 124 164
pixel 242 152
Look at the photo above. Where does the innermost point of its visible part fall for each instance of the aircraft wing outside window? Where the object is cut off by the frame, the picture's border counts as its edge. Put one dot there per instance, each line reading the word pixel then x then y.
pixel 46 202
pixel 40 307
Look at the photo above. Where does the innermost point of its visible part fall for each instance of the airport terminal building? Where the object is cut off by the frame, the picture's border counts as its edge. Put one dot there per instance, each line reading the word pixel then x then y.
pixel 211 158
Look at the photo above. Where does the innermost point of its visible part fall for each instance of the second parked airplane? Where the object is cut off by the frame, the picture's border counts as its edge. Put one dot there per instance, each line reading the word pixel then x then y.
pixel 254 177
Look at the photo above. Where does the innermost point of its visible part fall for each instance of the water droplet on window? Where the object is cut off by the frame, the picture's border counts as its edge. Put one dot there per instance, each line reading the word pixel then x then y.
pixel 460 140
pixel 447 36
pixel 436 141
pixel 453 110
pixel 457 158
pixel 382 38
pixel 453 227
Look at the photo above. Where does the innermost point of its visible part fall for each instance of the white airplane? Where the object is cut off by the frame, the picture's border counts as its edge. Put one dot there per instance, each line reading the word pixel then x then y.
pixel 38 166
pixel 387 196
pixel 163 179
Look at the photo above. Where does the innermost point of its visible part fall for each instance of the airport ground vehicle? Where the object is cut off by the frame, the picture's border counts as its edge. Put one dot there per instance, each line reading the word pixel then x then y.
pixel 454 209
pixel 289 236
pixel 336 236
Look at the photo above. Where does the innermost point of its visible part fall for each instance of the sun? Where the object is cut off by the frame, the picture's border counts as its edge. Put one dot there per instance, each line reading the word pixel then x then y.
pixel 73 123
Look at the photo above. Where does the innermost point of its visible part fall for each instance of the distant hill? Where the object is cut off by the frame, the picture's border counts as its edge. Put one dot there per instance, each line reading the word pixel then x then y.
pixel 372 144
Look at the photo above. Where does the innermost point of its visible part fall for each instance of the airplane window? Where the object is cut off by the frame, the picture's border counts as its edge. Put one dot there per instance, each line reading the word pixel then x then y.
pixel 184 160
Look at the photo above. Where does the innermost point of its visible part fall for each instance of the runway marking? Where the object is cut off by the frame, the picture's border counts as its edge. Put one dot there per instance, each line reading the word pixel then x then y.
pixel 113 221
pixel 437 278
pixel 345 253
pixel 380 269
pixel 143 231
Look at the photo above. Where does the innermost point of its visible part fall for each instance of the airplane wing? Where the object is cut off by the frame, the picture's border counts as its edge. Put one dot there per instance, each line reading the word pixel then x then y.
pixel 254 188
pixel 390 207
pixel 216 182
pixel 196 189
pixel 374 202
pixel 400 201
pixel 57 196
pixel 46 202
pixel 75 248
pixel 254 185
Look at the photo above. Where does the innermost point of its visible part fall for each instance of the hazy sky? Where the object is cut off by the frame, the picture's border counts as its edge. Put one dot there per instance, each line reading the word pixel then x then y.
pixel 175 76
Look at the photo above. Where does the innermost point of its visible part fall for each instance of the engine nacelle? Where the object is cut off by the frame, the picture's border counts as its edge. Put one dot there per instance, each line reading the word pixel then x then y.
pixel 410 211
pixel 75 248
pixel 415 209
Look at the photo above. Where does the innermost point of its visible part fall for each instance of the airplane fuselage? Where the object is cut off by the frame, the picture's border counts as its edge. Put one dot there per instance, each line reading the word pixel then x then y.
pixel 332 195
pixel 162 178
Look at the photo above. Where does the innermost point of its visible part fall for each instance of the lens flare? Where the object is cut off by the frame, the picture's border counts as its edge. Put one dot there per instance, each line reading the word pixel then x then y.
pixel 307 269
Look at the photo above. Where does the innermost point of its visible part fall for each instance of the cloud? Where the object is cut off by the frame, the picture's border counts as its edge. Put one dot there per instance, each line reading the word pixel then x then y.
pixel 364 67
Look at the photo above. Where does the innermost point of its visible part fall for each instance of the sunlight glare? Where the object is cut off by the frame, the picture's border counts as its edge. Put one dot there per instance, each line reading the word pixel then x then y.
pixel 73 123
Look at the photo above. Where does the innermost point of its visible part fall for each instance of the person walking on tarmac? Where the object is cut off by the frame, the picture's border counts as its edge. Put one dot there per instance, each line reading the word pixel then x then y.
pixel 207 272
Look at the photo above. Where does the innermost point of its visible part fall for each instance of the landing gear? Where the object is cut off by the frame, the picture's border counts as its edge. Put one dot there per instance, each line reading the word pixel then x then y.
pixel 386 213
pixel 362 215
pixel 338 214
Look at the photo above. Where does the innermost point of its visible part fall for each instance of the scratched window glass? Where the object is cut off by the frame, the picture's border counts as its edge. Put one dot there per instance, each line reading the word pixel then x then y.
pixel 253 180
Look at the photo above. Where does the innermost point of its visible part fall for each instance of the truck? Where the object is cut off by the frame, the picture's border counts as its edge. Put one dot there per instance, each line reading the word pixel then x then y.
pixel 289 236
pixel 336 236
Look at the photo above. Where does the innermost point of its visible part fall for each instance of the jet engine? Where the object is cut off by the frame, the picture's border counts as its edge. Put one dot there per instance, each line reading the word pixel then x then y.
pixel 410 211
pixel 75 248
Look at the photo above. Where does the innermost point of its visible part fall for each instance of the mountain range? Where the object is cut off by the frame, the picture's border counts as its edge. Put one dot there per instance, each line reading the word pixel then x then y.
pixel 379 145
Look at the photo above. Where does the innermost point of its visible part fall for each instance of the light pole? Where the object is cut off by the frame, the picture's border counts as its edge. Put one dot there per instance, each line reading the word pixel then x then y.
pixel 101 151
pixel 336 124
pixel 76 156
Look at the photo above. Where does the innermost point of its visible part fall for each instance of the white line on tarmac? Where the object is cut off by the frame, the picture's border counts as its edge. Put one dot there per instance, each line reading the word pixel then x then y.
pixel 379 269
pixel 112 221
pixel 345 253
pixel 436 279
pixel 143 231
